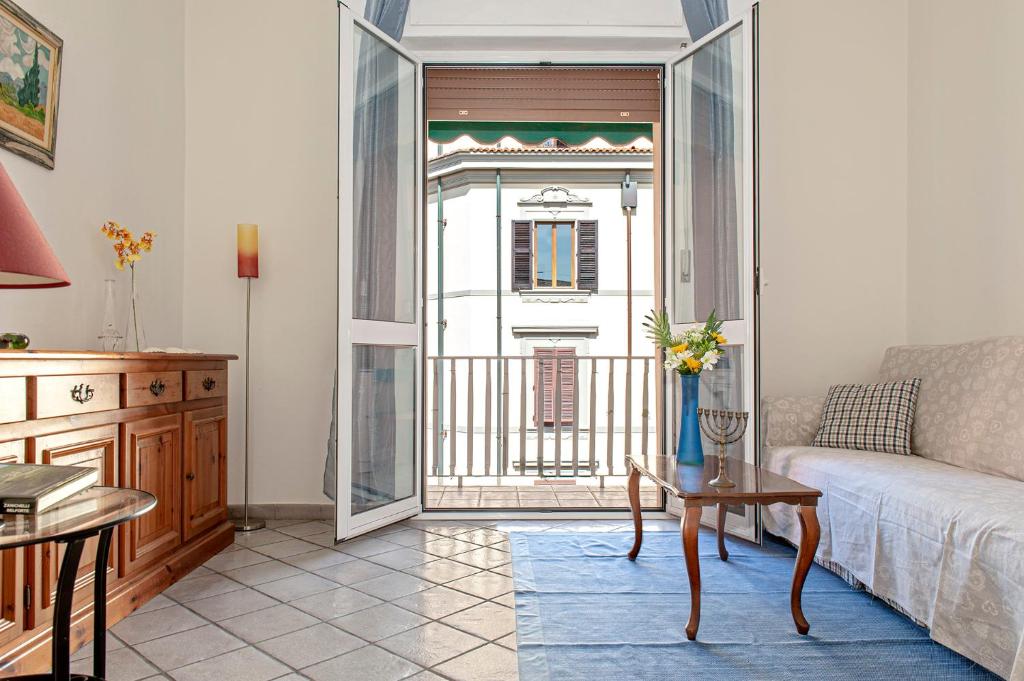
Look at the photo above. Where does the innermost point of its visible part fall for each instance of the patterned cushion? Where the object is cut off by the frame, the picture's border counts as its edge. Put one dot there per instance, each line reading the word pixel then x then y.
pixel 970 412
pixel 877 417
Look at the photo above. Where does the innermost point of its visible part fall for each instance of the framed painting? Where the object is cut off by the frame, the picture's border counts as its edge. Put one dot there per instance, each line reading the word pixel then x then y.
pixel 30 57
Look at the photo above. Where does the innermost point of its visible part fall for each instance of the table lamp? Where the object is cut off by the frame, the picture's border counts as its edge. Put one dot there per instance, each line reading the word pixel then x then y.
pixel 26 259
pixel 248 269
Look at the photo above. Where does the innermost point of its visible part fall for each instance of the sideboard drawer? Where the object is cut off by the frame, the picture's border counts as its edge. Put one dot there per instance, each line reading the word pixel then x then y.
pixel 81 394
pixel 152 387
pixel 206 383
pixel 13 399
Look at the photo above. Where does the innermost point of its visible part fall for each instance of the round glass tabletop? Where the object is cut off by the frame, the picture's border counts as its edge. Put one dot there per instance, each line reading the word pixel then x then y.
pixel 83 514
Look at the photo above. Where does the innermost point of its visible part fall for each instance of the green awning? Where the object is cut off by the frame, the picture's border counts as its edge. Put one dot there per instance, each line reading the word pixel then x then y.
pixel 574 134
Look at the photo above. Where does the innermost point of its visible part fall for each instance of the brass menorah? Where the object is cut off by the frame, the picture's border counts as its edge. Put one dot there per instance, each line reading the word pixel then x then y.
pixel 723 427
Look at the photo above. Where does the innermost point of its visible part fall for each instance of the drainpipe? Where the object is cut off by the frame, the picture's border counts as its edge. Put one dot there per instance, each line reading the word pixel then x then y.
pixel 441 324
pixel 497 296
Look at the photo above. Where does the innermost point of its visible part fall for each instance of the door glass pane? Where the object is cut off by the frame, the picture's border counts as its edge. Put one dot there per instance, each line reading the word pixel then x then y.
pixel 383 425
pixel 563 255
pixel 707 199
pixel 542 258
pixel 384 191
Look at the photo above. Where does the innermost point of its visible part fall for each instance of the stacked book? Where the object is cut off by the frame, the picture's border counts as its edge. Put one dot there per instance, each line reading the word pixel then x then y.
pixel 30 488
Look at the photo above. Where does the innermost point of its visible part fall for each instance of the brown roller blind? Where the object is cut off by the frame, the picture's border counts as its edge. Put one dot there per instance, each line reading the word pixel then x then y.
pixel 584 94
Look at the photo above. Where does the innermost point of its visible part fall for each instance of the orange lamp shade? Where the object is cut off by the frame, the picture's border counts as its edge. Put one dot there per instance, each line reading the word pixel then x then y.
pixel 249 251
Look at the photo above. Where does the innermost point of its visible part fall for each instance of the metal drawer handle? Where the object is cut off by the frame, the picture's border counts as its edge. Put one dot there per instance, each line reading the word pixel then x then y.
pixel 190 477
pixel 82 393
pixel 209 383
pixel 157 387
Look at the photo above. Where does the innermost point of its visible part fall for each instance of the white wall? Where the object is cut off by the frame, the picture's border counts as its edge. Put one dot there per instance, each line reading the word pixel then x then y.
pixel 966 193
pixel 833 125
pixel 261 122
pixel 120 156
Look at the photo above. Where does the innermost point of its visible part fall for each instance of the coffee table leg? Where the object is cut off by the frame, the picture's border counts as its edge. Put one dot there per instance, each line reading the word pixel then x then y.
pixel 810 533
pixel 722 552
pixel 691 526
pixel 634 504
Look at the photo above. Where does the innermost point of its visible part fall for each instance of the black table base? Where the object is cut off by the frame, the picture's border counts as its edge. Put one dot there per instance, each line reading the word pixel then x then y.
pixel 61 642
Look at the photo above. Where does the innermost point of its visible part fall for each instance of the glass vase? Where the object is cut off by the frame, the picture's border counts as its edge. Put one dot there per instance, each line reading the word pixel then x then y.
pixel 689 450
pixel 135 330
pixel 109 338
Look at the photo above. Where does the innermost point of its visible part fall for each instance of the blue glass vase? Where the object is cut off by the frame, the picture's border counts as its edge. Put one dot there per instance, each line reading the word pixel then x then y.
pixel 689 450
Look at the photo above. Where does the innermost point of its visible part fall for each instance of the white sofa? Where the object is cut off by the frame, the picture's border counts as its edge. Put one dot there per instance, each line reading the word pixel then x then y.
pixel 940 533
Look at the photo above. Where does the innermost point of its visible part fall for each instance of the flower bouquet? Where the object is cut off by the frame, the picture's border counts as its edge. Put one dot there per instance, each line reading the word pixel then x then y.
pixel 689 354
pixel 128 251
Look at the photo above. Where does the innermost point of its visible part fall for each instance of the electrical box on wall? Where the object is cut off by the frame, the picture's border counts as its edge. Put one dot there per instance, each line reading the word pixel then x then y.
pixel 629 194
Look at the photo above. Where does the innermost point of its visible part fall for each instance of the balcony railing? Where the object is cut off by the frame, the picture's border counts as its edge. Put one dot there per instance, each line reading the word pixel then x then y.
pixel 494 419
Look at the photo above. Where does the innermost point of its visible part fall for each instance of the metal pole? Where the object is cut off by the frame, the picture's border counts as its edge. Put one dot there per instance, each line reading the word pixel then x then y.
pixel 497 295
pixel 440 322
pixel 246 525
pixel 629 280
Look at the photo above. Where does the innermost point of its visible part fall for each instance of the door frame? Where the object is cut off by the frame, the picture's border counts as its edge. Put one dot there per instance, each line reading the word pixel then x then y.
pixel 371 332
pixel 660 226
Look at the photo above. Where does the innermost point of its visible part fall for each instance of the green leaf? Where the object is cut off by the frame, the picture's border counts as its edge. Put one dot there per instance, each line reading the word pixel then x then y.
pixel 658 328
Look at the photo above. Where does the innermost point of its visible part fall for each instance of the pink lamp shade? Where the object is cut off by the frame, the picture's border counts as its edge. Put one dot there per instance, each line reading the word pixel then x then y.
pixel 249 251
pixel 26 259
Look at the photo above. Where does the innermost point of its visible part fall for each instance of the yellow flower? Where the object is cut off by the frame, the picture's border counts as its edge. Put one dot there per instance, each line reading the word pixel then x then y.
pixel 692 364
pixel 720 339
pixel 679 348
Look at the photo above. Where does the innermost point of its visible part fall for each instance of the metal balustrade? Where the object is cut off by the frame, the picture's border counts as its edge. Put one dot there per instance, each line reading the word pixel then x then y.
pixel 504 420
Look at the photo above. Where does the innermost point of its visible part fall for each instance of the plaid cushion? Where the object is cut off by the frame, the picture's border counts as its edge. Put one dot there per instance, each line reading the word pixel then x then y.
pixel 877 417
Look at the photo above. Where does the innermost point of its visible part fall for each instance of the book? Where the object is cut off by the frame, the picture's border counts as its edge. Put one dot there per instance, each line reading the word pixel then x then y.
pixel 32 488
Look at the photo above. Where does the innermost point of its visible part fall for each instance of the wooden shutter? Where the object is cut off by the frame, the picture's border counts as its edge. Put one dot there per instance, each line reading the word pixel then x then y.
pixel 522 248
pixel 586 255
pixel 546 394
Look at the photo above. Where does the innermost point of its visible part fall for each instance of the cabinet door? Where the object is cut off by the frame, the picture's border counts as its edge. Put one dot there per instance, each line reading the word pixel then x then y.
pixel 206 451
pixel 89 448
pixel 12 566
pixel 152 462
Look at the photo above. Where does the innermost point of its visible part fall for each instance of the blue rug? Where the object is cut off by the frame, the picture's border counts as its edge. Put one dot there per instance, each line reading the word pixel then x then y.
pixel 584 611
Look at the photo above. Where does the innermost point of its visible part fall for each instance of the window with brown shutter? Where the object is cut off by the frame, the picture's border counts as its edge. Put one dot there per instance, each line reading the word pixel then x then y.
pixel 544 384
pixel 586 255
pixel 522 245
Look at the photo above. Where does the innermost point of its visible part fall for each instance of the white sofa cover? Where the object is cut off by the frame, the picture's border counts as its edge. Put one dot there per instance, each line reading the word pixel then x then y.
pixel 940 533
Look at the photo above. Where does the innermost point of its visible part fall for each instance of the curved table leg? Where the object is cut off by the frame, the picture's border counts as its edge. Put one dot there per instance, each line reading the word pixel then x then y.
pixel 690 528
pixel 61 641
pixel 810 533
pixel 99 606
pixel 634 504
pixel 722 552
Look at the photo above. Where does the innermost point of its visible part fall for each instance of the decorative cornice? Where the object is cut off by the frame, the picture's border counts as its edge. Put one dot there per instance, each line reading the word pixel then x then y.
pixel 555 196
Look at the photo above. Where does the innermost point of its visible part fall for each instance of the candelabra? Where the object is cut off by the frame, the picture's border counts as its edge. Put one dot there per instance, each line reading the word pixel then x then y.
pixel 723 427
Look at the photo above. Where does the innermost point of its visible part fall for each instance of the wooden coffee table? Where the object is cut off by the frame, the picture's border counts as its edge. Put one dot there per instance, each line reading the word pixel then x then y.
pixel 754 485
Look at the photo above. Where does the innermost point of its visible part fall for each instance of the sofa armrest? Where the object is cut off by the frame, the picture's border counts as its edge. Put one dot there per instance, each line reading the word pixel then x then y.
pixel 790 421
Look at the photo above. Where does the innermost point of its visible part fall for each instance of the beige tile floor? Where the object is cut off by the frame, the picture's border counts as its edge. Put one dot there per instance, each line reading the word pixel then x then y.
pixel 569 497
pixel 419 600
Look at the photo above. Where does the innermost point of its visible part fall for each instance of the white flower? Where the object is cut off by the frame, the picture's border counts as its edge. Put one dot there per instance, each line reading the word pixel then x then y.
pixel 710 359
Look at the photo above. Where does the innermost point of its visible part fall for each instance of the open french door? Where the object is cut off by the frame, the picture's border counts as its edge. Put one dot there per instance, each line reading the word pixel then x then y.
pixel 710 211
pixel 380 178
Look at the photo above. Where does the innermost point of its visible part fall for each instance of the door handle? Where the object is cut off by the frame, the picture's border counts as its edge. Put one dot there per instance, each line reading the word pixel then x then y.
pixel 157 387
pixel 209 383
pixel 190 477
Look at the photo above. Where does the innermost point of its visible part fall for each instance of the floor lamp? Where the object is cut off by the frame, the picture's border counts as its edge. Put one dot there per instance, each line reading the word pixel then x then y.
pixel 248 269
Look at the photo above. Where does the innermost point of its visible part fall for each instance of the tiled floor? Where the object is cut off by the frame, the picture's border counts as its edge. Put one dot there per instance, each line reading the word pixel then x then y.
pixel 537 496
pixel 420 600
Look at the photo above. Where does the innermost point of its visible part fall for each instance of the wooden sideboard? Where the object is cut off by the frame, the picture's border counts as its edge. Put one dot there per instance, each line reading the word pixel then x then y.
pixel 156 422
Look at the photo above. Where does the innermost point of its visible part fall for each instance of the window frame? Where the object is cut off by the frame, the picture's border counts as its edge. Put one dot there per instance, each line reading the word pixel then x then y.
pixel 574 250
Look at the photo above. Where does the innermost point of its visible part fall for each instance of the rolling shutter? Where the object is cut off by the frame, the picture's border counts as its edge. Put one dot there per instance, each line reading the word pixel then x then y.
pixel 586 255
pixel 522 266
pixel 546 396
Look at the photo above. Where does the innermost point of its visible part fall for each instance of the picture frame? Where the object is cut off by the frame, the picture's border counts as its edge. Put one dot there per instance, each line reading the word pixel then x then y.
pixel 30 63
